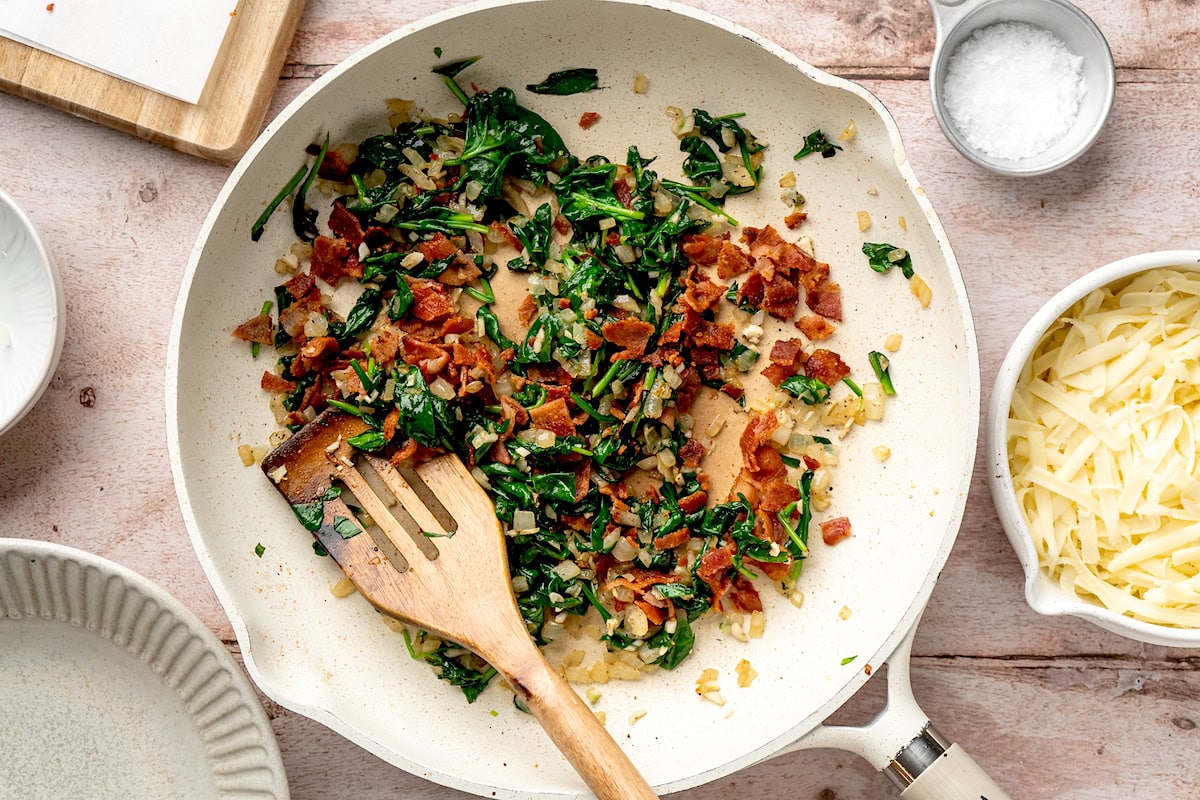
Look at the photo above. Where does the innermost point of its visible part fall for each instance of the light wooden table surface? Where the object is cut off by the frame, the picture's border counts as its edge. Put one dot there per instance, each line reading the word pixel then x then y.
pixel 1053 708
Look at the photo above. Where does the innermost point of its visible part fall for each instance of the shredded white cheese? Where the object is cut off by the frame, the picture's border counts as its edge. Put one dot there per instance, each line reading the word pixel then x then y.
pixel 1102 444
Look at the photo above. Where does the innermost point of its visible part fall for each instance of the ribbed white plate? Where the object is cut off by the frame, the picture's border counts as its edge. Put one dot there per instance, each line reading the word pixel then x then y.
pixel 32 314
pixel 110 688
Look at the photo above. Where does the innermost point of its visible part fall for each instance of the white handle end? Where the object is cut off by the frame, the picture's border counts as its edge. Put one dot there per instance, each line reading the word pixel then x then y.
pixel 954 776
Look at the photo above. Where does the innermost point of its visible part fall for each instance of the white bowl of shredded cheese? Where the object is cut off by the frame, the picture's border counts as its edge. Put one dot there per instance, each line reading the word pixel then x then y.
pixel 1094 444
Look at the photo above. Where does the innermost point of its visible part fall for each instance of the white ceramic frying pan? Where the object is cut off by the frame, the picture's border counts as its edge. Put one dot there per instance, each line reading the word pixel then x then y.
pixel 332 659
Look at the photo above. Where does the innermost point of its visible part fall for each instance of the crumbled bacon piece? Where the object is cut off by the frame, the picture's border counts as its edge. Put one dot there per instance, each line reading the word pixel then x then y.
pixel 588 118
pixel 302 285
pixel 553 416
pixel 274 383
pixel 781 297
pixel 345 225
pixel 815 328
pixel 669 541
pixel 702 294
pixel 794 219
pixel 691 452
pixel 390 422
pixel 717 335
pixel 334 167
pixel 787 352
pixel 437 247
pixel 334 259
pixel 743 596
pixel 693 502
pixel 702 249
pixel 384 346
pixel 751 291
pixel 457 324
pixel 732 260
pixel 292 318
pixel 460 272
pixel 631 334
pixel 757 435
pixel 826 300
pixel 431 301
pixel 506 233
pixel 428 357
pixel 256 329
pixel 527 311
pixel 825 366
pixel 835 530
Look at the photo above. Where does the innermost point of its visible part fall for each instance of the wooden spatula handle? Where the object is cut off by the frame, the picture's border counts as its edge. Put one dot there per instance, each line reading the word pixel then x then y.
pixel 576 730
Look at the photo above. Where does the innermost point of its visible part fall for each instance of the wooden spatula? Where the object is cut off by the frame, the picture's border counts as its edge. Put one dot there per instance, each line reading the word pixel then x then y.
pixel 463 594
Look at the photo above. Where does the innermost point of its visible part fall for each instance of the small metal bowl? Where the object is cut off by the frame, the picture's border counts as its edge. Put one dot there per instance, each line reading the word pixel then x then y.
pixel 1042 591
pixel 956 21
pixel 32 314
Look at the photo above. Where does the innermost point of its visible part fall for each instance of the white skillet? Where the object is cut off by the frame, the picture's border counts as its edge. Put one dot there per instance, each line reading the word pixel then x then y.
pixel 331 659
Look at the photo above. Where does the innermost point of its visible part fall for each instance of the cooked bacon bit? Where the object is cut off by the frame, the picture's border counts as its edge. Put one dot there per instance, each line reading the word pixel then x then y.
pixel 794 219
pixel 301 285
pixel 654 614
pixel 693 502
pixel 631 334
pixel 751 290
pixel 756 435
pixel 405 453
pixel 702 249
pixel 292 318
pixel 717 335
pixel 437 247
pixel 334 259
pixel 826 366
pixel 777 495
pixel 345 225
pixel 781 297
pixel 743 596
pixel 811 462
pixel 527 311
pixel 553 416
pixel 274 383
pixel 639 579
pixel 460 272
pixel 257 329
pixel 334 167
pixel 788 352
pixel 714 564
pixel 384 346
pixel 513 413
pixel 506 233
pixel 835 530
pixel 429 357
pixel 731 261
pixel 669 541
pixel 691 453
pixel 390 422
pixel 583 480
pixel 313 351
pixel 815 328
pixel 826 300
pixel 588 118
pixel 457 324
pixel 562 224
pixel 462 355
pixel 623 190
pixel 778 373
pixel 431 299
pixel 702 294
pixel 672 334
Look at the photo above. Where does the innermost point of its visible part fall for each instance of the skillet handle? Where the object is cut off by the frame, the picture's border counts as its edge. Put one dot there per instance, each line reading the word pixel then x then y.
pixel 902 744
pixel 953 776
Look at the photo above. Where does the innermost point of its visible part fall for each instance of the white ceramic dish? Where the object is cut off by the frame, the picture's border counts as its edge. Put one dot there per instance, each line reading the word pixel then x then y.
pixel 1042 592
pixel 957 20
pixel 333 660
pixel 32 314
pixel 113 690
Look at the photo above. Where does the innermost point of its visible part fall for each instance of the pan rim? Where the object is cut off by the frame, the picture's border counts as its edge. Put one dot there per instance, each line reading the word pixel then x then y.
pixel 224 594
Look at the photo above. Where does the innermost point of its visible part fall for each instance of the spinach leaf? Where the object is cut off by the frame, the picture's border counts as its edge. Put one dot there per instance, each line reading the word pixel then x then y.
pixel 491 327
pixel 362 315
pixel 345 527
pixel 535 235
pixel 503 137
pixel 368 440
pixel 702 164
pixel 402 300
pixel 312 514
pixel 423 415
pixel 568 81
pixel 304 219
pixel 452 69
pixel 816 142
pixel 679 644
pixel 260 224
pixel 882 256
pixel 555 486
pixel 882 367
pixel 810 390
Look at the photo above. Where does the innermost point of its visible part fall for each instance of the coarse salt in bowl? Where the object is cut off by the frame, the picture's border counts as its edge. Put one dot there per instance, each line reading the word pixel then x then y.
pixel 32 314
pixel 1131 481
pixel 1020 87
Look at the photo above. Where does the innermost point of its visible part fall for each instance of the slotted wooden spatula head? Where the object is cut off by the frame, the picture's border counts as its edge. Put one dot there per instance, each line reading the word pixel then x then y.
pixel 459 588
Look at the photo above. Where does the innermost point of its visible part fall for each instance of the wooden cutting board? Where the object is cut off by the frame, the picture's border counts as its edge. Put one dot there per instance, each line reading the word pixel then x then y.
pixel 220 127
